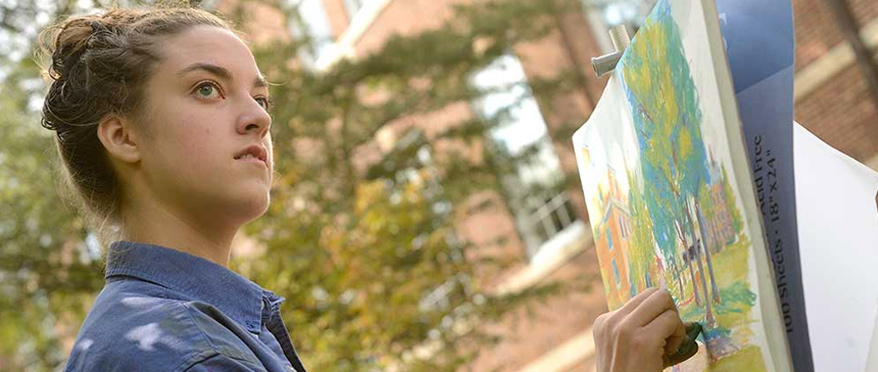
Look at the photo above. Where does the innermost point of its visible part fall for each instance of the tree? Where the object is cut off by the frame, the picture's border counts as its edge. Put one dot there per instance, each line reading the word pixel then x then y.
pixel 642 247
pixel 673 156
pixel 44 261
pixel 393 272
pixel 731 202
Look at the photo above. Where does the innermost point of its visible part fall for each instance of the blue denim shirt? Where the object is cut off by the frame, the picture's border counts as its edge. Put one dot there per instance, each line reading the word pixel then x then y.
pixel 164 310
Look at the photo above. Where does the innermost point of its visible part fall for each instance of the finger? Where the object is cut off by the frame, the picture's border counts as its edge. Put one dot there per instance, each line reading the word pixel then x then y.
pixel 657 303
pixel 673 342
pixel 687 349
pixel 636 301
pixel 665 327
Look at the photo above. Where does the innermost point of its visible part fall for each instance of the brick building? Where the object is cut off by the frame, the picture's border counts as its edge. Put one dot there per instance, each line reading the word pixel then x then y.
pixel 554 242
pixel 832 91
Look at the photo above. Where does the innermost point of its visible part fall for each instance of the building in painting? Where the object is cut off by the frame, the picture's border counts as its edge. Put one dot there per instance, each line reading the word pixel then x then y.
pixel 719 227
pixel 612 243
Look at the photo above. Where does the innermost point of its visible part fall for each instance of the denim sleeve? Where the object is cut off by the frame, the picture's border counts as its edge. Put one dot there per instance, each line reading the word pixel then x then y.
pixel 222 363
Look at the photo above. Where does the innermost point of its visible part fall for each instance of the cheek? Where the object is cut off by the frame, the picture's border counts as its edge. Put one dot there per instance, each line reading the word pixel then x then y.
pixel 195 149
pixel 188 143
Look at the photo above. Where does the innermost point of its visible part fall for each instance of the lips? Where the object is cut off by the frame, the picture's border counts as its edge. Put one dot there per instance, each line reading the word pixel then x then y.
pixel 254 151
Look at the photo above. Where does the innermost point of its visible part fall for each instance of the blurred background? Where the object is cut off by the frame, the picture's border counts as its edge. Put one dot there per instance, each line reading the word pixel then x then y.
pixel 427 215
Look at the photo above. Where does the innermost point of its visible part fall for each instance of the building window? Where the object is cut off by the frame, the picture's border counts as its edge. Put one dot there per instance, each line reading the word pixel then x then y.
pixel 616 274
pixel 354 6
pixel 603 14
pixel 609 240
pixel 311 23
pixel 536 192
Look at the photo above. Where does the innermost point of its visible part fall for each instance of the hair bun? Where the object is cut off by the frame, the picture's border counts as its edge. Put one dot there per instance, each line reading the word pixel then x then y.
pixel 68 41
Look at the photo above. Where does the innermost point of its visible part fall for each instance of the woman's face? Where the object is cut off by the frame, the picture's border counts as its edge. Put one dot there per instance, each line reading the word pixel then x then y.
pixel 206 105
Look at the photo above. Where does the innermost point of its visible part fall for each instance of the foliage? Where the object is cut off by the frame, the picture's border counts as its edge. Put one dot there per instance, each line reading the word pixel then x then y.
pixel 373 250
pixel 44 264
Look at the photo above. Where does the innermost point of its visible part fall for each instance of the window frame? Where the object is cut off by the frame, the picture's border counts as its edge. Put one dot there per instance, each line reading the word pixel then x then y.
pixel 534 212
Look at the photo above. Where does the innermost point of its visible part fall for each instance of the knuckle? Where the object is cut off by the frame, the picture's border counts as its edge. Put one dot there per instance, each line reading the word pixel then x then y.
pixel 639 342
pixel 600 322
pixel 666 299
pixel 601 325
pixel 624 330
pixel 669 299
pixel 669 318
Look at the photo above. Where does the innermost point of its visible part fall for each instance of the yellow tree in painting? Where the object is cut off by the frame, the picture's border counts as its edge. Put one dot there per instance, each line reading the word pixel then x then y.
pixel 644 272
pixel 667 119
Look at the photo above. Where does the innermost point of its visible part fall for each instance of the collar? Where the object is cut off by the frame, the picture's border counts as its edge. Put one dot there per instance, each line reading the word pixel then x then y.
pixel 234 295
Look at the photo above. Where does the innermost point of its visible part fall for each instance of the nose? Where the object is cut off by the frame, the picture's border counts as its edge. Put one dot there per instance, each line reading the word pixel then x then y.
pixel 253 118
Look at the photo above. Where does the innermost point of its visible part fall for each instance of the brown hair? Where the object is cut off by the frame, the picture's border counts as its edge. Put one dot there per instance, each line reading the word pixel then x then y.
pixel 99 65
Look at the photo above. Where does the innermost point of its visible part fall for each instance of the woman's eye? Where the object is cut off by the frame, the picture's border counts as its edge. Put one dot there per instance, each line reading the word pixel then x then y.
pixel 207 90
pixel 264 102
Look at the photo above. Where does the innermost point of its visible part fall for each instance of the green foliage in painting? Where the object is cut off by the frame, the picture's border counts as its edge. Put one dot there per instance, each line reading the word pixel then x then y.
pixel 673 160
pixel 642 246
pixel 731 203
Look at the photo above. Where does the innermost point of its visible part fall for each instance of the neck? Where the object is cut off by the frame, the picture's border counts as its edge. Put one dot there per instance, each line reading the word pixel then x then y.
pixel 153 223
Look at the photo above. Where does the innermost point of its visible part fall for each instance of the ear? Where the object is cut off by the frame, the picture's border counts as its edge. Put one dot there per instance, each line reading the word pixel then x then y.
pixel 116 134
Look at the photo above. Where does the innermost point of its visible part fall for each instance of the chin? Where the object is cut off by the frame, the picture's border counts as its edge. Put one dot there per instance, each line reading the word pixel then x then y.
pixel 253 207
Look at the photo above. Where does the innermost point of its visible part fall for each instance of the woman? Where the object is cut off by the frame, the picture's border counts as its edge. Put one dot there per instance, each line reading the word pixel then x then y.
pixel 163 129
pixel 162 125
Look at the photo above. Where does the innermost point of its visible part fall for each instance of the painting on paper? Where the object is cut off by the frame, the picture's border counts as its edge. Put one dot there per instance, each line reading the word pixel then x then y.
pixel 663 201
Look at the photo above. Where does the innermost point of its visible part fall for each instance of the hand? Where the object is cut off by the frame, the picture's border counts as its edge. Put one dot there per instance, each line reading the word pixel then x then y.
pixel 644 335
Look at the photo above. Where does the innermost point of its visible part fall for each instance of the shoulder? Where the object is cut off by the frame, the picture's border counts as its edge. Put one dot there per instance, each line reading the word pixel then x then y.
pixel 135 325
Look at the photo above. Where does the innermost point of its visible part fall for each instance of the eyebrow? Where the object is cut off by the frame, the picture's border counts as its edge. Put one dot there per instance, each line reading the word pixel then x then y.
pixel 220 71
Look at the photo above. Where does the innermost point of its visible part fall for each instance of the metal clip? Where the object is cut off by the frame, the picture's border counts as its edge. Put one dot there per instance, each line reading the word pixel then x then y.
pixel 606 63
